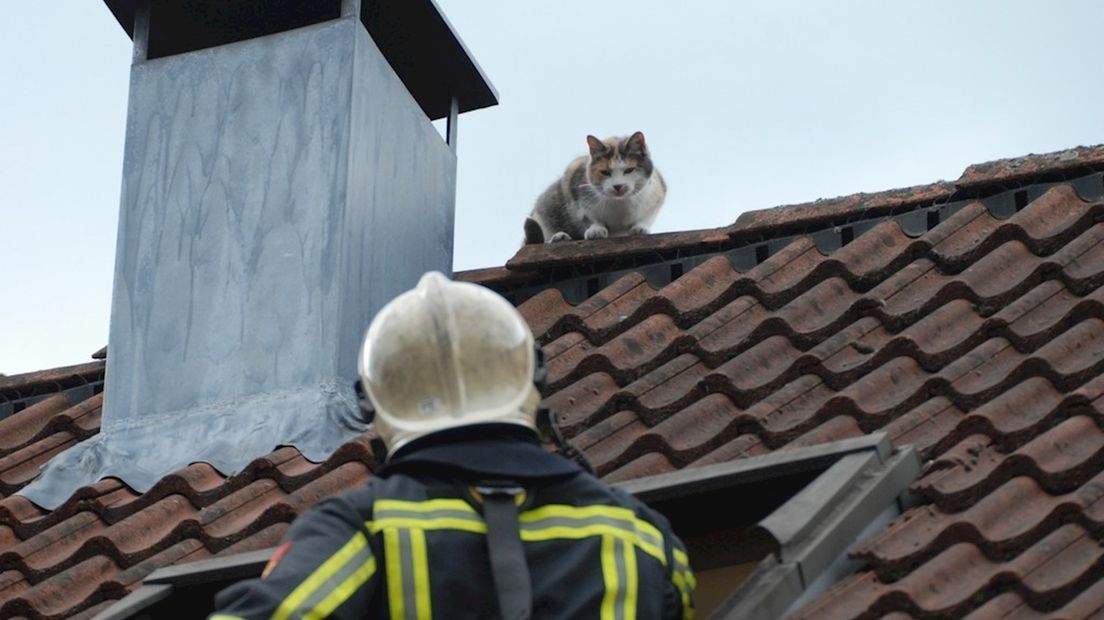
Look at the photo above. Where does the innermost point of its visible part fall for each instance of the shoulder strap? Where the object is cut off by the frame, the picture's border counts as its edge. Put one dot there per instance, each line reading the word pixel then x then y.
pixel 509 568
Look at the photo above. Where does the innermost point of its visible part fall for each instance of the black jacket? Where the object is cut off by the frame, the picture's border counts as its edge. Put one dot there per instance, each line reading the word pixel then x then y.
pixel 411 544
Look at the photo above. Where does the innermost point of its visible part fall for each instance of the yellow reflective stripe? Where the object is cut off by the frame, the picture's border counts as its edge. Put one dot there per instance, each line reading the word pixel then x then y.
pixel 586 531
pixel 429 505
pixel 682 565
pixel 320 576
pixel 576 512
pixel 681 558
pixel 626 525
pixel 684 580
pixel 343 591
pixel 421 574
pixel 433 523
pixel 407 561
pixel 456 514
pixel 631 585
pixel 684 593
pixel 619 573
pixel 433 514
pixel 691 581
pixel 393 557
pixel 608 611
pixel 624 515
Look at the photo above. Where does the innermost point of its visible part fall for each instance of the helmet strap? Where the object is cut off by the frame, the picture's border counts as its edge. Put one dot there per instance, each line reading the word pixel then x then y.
pixel 367 409
pixel 550 432
pixel 379 450
pixel 540 370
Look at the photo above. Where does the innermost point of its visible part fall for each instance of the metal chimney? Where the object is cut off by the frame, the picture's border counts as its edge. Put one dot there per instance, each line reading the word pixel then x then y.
pixel 281 181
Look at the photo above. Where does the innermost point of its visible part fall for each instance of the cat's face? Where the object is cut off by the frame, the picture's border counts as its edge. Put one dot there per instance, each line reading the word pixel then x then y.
pixel 618 167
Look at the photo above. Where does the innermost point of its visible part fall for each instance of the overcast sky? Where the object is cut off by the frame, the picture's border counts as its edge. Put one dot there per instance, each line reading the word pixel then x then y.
pixel 745 106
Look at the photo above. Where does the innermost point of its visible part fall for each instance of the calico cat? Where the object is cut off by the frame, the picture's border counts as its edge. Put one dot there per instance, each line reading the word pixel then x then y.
pixel 613 192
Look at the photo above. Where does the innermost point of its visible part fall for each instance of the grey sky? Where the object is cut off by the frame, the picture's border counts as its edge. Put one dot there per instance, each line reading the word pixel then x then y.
pixel 745 106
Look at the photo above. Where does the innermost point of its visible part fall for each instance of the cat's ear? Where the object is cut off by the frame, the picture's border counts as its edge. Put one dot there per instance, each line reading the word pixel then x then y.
pixel 597 147
pixel 636 144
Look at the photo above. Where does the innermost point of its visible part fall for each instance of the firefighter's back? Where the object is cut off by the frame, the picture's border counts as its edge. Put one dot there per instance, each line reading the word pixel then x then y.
pixel 592 551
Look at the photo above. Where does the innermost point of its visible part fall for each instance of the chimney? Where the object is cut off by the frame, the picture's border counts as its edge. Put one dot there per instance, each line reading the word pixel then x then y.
pixel 281 181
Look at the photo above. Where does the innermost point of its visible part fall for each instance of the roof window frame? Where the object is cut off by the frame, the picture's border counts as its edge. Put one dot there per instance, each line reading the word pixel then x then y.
pixel 863 483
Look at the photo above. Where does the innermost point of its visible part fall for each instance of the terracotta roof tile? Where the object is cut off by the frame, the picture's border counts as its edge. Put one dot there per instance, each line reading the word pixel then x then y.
pixel 544 310
pixel 1059 459
pixel 978 341
pixel 18 431
pixel 698 292
pixel 743 446
pixel 650 464
pixel 725 329
pixel 77 587
pixel 848 208
pixel 1016 514
pixel 1020 169
pixel 21 466
pixel 928 426
pixel 874 253
pixel 264 539
pixel 598 429
pixel 835 429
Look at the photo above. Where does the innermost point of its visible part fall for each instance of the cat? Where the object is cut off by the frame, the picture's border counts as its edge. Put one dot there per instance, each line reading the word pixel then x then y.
pixel 614 191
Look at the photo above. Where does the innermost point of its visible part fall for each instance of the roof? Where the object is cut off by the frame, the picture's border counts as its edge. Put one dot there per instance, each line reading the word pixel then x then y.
pixel 966 319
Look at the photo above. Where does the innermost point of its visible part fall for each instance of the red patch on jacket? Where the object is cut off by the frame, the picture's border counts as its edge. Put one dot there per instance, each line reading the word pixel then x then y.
pixel 281 551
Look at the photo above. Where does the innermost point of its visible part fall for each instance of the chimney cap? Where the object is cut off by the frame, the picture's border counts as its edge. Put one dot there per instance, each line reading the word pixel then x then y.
pixel 413 35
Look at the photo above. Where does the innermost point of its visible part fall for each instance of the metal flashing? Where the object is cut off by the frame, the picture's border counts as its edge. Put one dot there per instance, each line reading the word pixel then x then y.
pixel 689 481
pixel 859 497
pixel 135 603
pixel 814 503
pixel 172 581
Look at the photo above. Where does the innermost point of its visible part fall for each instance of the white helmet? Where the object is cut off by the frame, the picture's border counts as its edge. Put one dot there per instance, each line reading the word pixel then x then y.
pixel 444 355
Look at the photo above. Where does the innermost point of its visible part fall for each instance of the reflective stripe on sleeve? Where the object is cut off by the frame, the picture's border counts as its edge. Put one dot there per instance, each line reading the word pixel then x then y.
pixel 332 583
pixel 684 581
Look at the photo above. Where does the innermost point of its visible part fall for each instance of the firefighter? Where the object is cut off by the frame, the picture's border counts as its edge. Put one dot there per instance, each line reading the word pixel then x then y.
pixel 469 517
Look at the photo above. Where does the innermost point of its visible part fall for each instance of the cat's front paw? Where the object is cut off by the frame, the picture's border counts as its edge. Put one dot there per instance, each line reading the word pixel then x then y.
pixel 560 236
pixel 636 231
pixel 596 231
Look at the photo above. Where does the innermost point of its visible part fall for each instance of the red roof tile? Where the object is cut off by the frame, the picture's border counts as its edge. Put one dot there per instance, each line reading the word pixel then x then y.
pixel 979 342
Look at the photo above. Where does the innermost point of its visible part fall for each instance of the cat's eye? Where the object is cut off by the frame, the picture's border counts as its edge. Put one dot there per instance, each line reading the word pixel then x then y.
pixel 629 170
pixel 606 173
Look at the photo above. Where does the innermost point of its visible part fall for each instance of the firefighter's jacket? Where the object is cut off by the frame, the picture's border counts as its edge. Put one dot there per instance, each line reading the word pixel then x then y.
pixel 412 544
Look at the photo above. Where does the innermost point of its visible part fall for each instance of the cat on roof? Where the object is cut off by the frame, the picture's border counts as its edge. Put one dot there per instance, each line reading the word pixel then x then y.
pixel 614 191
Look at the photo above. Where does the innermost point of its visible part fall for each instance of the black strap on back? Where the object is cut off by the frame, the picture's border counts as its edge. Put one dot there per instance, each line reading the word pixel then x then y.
pixel 508 565
pixel 549 428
